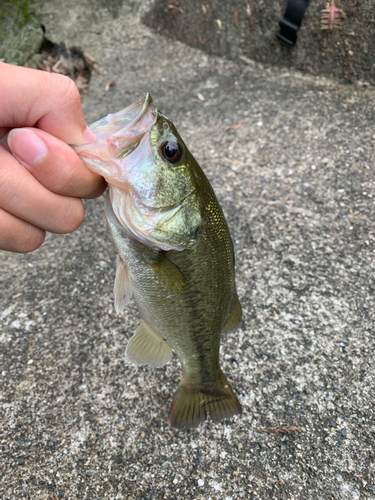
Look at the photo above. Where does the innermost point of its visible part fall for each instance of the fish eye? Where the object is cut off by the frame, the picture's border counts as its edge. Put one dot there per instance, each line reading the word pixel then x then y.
pixel 171 151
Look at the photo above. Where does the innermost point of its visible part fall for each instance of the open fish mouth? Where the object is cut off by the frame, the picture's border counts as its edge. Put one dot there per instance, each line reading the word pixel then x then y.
pixel 116 136
pixel 129 118
pixel 130 121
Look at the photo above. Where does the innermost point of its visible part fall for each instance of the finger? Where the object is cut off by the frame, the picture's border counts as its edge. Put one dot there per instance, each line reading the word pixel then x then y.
pixel 54 164
pixel 23 196
pixel 3 137
pixel 17 235
pixel 51 102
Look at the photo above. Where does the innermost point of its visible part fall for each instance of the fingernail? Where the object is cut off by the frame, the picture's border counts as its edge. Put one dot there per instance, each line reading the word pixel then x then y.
pixel 27 145
pixel 89 136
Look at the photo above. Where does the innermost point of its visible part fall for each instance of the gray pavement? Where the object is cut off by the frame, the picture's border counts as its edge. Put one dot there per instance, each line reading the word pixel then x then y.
pixel 291 160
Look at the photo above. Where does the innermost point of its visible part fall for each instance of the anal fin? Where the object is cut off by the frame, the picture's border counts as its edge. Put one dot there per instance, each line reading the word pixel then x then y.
pixel 147 348
pixel 122 288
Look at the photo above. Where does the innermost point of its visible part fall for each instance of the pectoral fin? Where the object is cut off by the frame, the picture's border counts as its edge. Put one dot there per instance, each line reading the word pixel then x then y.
pixel 234 318
pixel 168 274
pixel 122 288
pixel 147 348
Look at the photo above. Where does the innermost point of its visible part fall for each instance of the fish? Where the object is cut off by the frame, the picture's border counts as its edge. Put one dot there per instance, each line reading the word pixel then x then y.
pixel 175 255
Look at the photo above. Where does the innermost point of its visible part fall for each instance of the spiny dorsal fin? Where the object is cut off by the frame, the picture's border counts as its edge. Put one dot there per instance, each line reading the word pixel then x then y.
pixel 234 318
pixel 122 288
pixel 147 348
pixel 169 275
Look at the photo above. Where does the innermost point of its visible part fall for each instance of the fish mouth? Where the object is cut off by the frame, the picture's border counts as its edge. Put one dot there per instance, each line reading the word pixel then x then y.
pixel 116 128
pixel 144 101
pixel 134 114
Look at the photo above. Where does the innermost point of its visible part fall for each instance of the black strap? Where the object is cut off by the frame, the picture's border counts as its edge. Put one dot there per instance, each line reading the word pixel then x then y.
pixel 292 20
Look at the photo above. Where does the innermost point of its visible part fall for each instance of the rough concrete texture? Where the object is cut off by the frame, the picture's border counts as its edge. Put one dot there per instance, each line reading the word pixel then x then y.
pixel 290 158
pixel 238 28
pixel 21 32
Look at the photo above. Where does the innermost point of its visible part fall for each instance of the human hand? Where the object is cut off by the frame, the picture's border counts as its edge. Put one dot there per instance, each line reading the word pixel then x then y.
pixel 41 177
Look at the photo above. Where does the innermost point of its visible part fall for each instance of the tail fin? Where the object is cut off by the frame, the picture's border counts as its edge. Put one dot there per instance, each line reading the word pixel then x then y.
pixel 192 404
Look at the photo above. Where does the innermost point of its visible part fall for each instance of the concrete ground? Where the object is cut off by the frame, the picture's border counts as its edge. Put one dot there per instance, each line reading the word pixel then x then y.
pixel 248 27
pixel 291 160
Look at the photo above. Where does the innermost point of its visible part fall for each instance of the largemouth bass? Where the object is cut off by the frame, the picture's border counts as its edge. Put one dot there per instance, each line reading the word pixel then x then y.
pixel 175 255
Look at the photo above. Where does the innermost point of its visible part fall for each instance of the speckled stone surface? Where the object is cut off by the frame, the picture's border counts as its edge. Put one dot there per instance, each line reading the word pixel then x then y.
pixel 291 160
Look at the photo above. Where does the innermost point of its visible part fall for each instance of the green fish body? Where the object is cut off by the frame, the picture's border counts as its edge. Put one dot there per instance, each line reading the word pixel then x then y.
pixel 175 255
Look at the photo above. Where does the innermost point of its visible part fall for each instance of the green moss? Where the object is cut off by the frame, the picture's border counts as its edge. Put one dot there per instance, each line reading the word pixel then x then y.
pixel 21 32
pixel 24 9
pixel 23 6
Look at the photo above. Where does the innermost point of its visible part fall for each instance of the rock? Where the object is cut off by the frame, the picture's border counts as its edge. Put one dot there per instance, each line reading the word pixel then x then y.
pixel 21 32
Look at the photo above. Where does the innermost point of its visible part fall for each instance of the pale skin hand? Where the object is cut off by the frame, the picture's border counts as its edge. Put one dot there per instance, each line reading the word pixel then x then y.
pixel 42 180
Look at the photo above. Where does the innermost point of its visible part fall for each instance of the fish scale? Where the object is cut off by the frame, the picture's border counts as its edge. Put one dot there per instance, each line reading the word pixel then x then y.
pixel 176 255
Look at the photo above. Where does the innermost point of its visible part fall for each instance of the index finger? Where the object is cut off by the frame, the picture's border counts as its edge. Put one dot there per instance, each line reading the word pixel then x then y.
pixel 51 103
